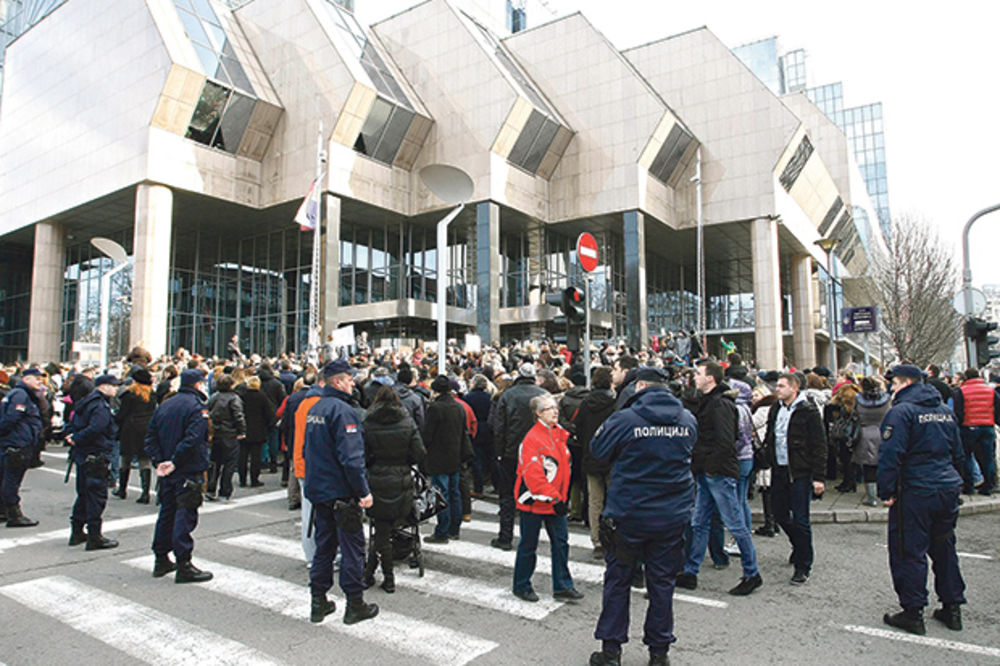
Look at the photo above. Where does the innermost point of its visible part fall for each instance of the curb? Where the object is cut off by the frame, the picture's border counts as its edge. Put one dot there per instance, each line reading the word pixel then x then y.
pixel 881 514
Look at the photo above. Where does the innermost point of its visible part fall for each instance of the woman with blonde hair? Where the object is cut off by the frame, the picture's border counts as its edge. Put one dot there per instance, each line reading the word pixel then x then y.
pixel 843 431
pixel 259 412
pixel 138 402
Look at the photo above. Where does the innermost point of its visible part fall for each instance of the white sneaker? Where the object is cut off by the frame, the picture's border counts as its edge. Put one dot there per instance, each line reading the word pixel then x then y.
pixel 732 548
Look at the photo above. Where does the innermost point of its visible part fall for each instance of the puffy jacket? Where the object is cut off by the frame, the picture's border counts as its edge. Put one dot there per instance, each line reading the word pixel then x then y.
pixel 718 425
pixel 228 419
pixel 649 445
pixel 286 429
pixel 594 410
pixel 921 446
pixel 93 426
pixel 974 403
pixel 414 403
pixel 742 394
pixel 392 445
pixel 178 432
pixel 871 409
pixel 444 434
pixel 334 449
pixel 260 414
pixel 806 440
pixel 133 417
pixel 543 469
pixel 511 417
pixel 20 417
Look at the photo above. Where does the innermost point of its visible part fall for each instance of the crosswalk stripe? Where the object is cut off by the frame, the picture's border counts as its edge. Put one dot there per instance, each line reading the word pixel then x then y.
pixel 139 631
pixel 458 588
pixel 437 644
pixel 580 571
pixel 139 521
pixel 924 640
pixel 576 540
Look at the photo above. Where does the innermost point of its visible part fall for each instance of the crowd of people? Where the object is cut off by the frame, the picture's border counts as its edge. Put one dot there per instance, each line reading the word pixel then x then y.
pixel 657 455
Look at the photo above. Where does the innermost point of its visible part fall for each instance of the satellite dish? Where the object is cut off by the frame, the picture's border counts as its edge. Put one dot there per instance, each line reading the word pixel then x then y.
pixel 111 249
pixel 448 183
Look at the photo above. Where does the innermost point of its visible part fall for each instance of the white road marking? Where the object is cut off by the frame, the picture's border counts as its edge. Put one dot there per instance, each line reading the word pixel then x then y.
pixel 139 631
pixel 924 640
pixel 72 475
pixel 459 588
pixel 971 556
pixel 588 573
pixel 436 644
pixel 575 539
pixel 139 521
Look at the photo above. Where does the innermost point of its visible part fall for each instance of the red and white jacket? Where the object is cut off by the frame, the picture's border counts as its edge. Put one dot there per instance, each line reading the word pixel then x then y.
pixel 543 469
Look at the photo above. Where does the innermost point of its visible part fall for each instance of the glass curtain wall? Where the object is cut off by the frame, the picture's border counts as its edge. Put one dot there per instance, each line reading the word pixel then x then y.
pixel 15 304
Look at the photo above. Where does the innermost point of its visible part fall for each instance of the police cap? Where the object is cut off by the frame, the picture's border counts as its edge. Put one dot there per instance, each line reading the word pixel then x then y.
pixel 338 367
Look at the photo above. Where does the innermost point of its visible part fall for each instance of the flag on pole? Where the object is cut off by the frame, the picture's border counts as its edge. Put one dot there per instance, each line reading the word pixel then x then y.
pixel 307 216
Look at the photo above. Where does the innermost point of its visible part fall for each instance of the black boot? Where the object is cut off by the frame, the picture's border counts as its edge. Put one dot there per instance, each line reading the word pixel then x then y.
pixel 17 519
pixel 369 578
pixel 144 477
pixel 359 611
pixel 388 581
pixel 950 615
pixel 163 566
pixel 123 475
pixel 321 607
pixel 77 535
pixel 911 620
pixel 189 573
pixel 605 659
pixel 97 541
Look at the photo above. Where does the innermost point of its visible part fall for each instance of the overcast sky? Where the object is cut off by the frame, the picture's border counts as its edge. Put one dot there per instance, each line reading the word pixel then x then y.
pixel 935 67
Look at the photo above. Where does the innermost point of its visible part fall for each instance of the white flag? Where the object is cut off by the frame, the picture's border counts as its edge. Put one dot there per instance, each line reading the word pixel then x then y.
pixel 307 216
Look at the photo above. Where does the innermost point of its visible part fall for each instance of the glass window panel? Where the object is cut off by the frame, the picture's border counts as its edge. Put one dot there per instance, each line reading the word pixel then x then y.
pixel 392 138
pixel 234 123
pixel 236 74
pixel 374 125
pixel 207 113
pixel 541 145
pixel 527 137
pixel 204 10
pixel 217 36
pixel 184 4
pixel 193 28
pixel 210 61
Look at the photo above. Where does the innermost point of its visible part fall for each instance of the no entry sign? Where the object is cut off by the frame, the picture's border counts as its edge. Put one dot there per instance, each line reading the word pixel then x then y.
pixel 586 252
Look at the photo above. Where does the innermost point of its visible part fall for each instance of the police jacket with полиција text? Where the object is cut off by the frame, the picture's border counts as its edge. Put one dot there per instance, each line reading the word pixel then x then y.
pixel 334 449
pixel 178 432
pixel 649 444
pixel 806 440
pixel 20 418
pixel 92 425
pixel 921 446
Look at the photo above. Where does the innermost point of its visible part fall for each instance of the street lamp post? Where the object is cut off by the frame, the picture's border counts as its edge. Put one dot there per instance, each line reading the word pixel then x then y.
pixel 828 245
pixel 117 254
pixel 453 186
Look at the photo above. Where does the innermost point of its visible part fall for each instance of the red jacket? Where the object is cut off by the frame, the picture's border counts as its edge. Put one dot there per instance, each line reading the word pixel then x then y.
pixel 542 469
pixel 977 403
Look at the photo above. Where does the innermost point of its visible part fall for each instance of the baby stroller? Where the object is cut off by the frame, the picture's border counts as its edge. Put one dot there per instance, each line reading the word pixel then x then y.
pixel 428 502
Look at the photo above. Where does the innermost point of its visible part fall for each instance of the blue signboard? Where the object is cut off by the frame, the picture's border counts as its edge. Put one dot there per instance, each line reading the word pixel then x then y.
pixel 859 320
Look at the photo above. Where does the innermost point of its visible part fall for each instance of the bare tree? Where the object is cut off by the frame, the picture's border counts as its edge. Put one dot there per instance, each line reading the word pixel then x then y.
pixel 914 286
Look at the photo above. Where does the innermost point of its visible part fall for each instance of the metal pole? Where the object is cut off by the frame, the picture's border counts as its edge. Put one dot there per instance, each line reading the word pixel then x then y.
pixel 442 286
pixel 831 311
pixel 867 367
pixel 970 350
pixel 586 329
pixel 701 251
pixel 106 313
pixel 314 286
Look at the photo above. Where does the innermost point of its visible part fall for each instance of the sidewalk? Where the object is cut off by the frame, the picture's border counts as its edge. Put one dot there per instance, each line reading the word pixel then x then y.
pixel 847 508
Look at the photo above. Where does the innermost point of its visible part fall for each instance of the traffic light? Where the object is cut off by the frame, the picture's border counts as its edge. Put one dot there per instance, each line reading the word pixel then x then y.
pixel 978 331
pixel 571 307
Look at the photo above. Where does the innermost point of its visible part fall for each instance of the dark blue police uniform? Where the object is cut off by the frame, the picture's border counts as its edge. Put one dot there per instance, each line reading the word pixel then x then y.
pixel 178 433
pixel 20 427
pixel 918 462
pixel 334 452
pixel 93 430
pixel 650 497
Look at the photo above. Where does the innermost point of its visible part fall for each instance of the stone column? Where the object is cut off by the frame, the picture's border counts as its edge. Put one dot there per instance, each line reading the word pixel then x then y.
pixel 330 294
pixel 488 271
pixel 154 209
pixel 45 318
pixel 766 293
pixel 637 309
pixel 804 334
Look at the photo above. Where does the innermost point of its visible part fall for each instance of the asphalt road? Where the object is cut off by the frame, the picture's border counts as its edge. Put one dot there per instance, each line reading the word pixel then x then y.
pixel 61 605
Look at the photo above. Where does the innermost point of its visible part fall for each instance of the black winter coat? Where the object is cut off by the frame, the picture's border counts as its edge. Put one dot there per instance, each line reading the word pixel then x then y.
pixel 134 415
pixel 481 402
pixel 445 435
pixel 511 417
pixel 226 411
pixel 594 411
pixel 714 452
pixel 806 441
pixel 272 387
pixel 259 412
pixel 392 445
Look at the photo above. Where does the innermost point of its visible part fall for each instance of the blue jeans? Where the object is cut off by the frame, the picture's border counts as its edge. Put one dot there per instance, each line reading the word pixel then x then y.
pixel 719 492
pixel 271 447
pixel 716 541
pixel 450 519
pixel 558 530
pixel 790 501
pixel 116 459
pixel 743 487
pixel 979 444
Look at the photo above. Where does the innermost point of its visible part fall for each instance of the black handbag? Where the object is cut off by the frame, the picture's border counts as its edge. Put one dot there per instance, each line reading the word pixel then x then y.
pixel 428 500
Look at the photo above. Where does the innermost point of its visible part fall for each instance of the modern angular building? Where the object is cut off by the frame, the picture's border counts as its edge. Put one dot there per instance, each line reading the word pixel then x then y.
pixel 187 132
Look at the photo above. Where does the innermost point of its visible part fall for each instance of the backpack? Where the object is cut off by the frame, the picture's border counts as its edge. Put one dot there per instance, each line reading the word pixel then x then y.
pixel 846 427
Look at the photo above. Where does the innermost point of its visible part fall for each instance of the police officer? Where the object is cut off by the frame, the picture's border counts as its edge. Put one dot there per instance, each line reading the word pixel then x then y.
pixel 20 426
pixel 919 480
pixel 336 484
pixel 92 432
pixel 177 445
pixel 649 503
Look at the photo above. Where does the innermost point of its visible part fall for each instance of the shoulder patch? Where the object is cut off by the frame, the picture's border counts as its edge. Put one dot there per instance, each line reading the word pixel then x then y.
pixel 21 408
pixel 204 413
pixel 887 432
pixel 351 428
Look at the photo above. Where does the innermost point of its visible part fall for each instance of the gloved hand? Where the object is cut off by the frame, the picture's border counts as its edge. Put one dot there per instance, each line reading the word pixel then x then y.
pixel 561 508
